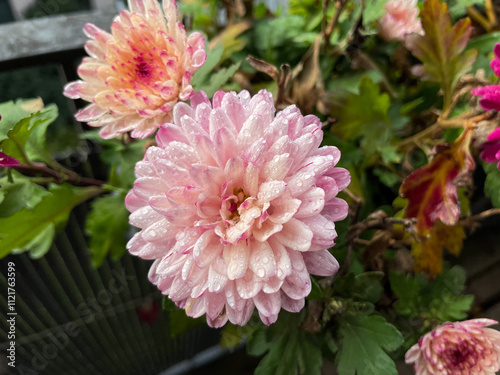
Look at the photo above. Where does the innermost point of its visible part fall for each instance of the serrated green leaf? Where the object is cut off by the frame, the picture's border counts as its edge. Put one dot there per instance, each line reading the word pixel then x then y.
pixel 107 224
pixel 15 197
pixel 292 352
pixel 451 308
pixel 368 286
pixel 18 231
pixel 450 281
pixel 390 154
pixel 363 287
pixel 41 243
pixel 17 144
pixel 310 357
pixel 217 80
pixel 365 116
pixel 387 177
pixel 11 114
pixel 407 289
pixel 257 344
pixel 439 299
pixel 492 183
pixel 441 48
pixel 364 341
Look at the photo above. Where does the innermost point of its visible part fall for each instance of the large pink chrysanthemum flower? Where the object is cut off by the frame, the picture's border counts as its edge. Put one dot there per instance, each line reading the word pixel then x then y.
pixel 136 74
pixel 237 207
pixel 401 18
pixel 460 348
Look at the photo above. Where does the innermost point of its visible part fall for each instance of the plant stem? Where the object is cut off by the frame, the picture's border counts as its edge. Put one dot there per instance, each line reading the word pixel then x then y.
pixel 43 170
pixel 441 124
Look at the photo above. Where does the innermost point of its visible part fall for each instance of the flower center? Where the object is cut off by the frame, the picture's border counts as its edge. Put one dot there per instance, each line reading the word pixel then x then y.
pixel 239 212
pixel 459 355
pixel 230 206
pixel 143 70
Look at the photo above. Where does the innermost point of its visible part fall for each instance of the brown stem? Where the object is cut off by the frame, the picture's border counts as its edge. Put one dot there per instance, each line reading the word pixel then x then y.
pixel 442 124
pixel 43 170
pixel 483 215
pixel 333 22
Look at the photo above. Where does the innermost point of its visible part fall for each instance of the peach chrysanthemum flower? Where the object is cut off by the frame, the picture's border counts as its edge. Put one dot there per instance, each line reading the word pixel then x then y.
pixel 460 348
pixel 135 75
pixel 237 207
pixel 401 18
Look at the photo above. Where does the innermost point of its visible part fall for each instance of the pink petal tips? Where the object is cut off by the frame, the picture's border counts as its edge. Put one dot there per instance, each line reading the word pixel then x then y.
pixel 458 348
pixel 135 75
pixel 7 161
pixel 237 205
pixel 401 18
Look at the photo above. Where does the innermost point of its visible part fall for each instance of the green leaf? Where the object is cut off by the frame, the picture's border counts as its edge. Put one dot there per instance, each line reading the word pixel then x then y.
pixel 439 299
pixel 492 183
pixel 257 344
pixel 232 335
pixel 17 144
pixel 180 323
pixel 292 352
pixel 441 49
pixel 365 116
pixel 29 230
pixel 351 82
pixel 364 341
pixel 458 7
pixel 316 291
pixel 167 304
pixel 450 281
pixel 11 114
pixel 15 197
pixel 201 77
pixel 107 224
pixel 363 287
pixel 121 158
pixel 451 308
pixel 217 80
pixel 373 10
pixel 407 289
pixel 484 44
pixel 387 177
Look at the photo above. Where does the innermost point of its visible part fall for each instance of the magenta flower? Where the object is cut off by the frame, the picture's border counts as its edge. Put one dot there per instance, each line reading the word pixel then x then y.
pixel 490 95
pixel 460 348
pixel 401 18
pixel 237 206
pixel 135 75
pixel 7 161
pixel 490 100
pixel 491 148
